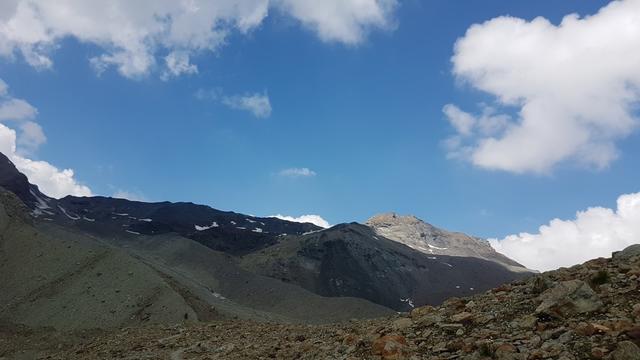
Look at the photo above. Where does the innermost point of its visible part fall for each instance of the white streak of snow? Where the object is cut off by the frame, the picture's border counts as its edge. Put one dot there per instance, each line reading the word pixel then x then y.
pixel 203 228
pixel 72 217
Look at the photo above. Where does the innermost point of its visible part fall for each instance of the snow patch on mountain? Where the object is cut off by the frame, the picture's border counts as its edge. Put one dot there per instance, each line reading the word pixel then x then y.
pixel 203 228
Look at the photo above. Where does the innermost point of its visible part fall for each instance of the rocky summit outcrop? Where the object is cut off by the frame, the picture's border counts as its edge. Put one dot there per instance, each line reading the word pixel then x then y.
pixel 589 311
pixel 426 238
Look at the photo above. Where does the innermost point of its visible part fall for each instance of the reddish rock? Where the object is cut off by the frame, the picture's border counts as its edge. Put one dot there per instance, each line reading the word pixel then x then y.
pixel 601 329
pixel 585 329
pixel 505 349
pixel 502 288
pixel 598 353
pixel 391 347
pixel 350 340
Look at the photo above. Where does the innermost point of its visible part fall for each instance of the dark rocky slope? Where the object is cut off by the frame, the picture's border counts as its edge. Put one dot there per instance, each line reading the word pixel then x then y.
pixel 351 260
pixel 224 231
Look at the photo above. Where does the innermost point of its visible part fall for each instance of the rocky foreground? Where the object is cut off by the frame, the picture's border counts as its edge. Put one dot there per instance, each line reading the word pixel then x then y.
pixel 589 311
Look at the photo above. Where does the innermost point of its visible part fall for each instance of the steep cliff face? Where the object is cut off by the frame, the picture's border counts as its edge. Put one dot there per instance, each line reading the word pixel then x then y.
pixel 428 239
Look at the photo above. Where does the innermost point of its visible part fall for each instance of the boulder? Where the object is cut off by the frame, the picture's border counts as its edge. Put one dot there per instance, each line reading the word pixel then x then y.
pixel 463 317
pixel 626 350
pixel 569 298
pixel 402 323
pixel 422 311
pixel 390 347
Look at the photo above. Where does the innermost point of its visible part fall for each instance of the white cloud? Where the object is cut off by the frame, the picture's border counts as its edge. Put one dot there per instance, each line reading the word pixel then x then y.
pixel 51 180
pixel 573 89
pixel 297 172
pixel 460 120
pixel 257 104
pixel 21 113
pixel 16 109
pixel 339 20
pixel 313 219
pixel 131 35
pixel 31 136
pixel 178 63
pixel 596 232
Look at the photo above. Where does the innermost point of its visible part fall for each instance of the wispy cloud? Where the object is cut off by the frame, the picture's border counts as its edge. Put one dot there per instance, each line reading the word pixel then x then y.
pixel 297 172
pixel 178 63
pixel 256 103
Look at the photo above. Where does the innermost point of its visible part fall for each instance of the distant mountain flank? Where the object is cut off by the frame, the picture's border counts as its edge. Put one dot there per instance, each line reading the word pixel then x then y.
pixel 428 239
pixel 352 260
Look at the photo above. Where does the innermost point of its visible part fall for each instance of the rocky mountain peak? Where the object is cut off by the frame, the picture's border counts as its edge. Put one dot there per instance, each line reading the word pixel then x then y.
pixel 394 219
pixel 424 237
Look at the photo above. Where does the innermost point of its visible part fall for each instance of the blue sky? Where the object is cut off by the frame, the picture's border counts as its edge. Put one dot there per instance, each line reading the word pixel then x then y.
pixel 366 118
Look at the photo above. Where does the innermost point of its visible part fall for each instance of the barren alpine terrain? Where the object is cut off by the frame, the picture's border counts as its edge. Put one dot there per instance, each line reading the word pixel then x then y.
pixel 589 311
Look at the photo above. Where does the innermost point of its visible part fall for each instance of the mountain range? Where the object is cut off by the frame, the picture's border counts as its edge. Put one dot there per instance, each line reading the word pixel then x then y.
pixel 101 262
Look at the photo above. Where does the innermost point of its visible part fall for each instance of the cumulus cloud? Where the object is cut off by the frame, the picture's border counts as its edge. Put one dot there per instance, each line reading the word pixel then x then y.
pixel 563 93
pixel 297 172
pixel 313 219
pixel 595 232
pixel 339 20
pixel 131 35
pixel 51 180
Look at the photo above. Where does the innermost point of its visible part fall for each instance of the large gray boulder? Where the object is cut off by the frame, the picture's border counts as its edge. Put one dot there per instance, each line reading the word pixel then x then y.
pixel 626 350
pixel 569 298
